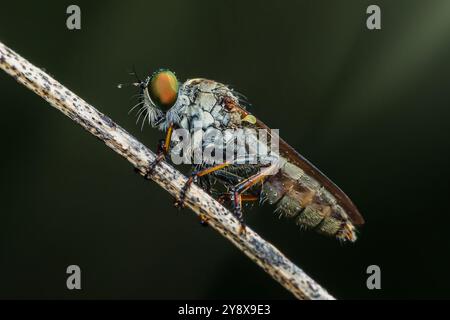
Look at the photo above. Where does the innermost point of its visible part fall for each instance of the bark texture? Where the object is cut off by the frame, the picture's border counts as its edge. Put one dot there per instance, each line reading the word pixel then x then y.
pixel 256 248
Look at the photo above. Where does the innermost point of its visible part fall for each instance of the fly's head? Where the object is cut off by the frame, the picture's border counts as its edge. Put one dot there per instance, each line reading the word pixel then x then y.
pixel 158 95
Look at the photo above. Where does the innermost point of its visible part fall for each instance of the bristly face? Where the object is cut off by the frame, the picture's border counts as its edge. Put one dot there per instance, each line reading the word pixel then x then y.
pixel 158 93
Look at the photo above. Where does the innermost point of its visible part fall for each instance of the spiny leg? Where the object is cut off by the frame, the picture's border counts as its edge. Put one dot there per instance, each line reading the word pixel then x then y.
pixel 241 187
pixel 244 197
pixel 180 202
pixel 227 197
pixel 162 151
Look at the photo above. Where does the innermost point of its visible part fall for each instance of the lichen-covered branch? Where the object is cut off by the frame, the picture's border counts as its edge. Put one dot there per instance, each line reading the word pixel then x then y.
pixel 260 251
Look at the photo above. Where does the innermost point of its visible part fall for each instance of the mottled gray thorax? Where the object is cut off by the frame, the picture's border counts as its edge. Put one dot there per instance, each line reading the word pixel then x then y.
pixel 202 106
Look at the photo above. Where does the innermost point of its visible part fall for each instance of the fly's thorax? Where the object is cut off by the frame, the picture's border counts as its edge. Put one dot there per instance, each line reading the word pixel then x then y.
pixel 206 105
pixel 234 146
pixel 209 113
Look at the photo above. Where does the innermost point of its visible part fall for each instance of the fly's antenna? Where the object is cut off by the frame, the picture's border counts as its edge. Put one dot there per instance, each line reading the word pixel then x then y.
pixel 134 84
pixel 138 82
pixel 135 74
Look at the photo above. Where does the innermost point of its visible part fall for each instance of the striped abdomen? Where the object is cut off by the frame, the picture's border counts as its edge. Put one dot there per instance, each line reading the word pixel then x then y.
pixel 299 196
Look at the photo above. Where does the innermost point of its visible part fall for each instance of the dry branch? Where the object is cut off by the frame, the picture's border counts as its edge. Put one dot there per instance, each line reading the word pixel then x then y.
pixel 260 251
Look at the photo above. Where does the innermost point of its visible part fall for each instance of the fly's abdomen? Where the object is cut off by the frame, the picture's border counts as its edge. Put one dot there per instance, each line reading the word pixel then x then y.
pixel 298 196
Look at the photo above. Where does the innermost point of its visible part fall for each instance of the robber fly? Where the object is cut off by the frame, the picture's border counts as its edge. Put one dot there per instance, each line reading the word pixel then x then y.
pixel 291 183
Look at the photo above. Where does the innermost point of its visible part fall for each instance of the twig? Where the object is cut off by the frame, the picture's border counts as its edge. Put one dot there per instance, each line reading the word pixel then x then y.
pixel 260 251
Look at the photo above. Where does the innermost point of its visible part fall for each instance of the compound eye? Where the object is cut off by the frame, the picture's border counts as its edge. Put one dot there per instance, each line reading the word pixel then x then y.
pixel 163 88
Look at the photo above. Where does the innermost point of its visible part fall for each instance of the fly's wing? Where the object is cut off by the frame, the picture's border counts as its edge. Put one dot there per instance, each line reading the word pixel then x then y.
pixel 297 159
pixel 342 199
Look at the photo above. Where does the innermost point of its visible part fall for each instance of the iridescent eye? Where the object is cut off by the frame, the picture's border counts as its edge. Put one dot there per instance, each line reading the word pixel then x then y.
pixel 163 88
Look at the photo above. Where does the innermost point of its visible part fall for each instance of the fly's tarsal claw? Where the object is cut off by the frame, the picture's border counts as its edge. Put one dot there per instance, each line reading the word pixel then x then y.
pixel 204 219
pixel 237 212
pixel 152 166
pixel 242 229
pixel 180 202
pixel 160 156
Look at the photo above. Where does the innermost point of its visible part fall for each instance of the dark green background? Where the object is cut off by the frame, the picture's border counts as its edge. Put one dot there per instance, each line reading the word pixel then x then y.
pixel 370 108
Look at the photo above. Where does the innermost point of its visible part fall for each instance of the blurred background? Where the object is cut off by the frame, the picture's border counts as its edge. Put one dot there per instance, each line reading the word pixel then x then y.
pixel 370 108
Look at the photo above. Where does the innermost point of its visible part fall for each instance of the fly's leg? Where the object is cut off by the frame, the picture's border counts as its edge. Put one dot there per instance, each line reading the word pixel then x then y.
pixel 180 202
pixel 241 187
pixel 160 156
pixel 237 210
pixel 228 197
pixel 224 197
pixel 237 199
pixel 162 151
